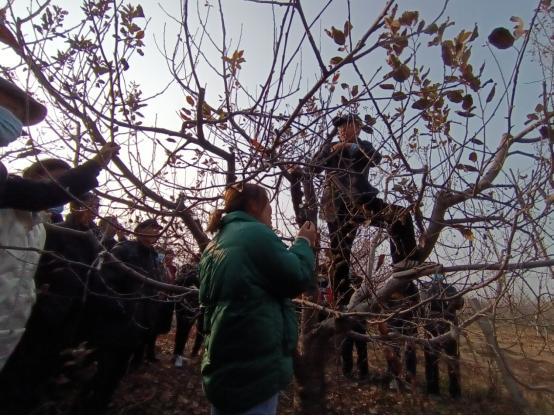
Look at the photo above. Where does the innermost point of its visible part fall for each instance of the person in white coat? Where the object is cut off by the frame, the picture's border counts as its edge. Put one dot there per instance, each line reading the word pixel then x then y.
pixel 22 234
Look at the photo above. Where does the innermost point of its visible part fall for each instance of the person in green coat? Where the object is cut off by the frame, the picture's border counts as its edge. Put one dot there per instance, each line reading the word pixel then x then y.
pixel 247 278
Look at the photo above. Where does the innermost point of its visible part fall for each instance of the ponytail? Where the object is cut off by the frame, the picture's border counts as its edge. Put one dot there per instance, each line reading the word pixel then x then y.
pixel 215 220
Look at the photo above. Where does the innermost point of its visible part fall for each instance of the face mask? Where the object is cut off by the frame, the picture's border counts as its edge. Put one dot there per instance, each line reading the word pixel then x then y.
pixel 10 127
pixel 56 210
pixel 437 278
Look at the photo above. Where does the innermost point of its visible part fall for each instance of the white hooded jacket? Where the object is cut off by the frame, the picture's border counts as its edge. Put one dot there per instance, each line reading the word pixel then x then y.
pixel 18 229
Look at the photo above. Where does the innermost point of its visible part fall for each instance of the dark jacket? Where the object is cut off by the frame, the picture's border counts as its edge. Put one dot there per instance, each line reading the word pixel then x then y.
pixel 188 277
pixel 3 177
pixel 33 195
pixel 108 243
pixel 125 308
pixel 66 278
pixel 71 222
pixel 403 300
pixel 247 277
pixel 444 302
pixel 165 304
pixel 347 169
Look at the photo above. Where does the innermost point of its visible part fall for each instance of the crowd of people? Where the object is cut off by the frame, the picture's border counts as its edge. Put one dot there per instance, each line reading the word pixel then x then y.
pixel 68 281
pixel 79 280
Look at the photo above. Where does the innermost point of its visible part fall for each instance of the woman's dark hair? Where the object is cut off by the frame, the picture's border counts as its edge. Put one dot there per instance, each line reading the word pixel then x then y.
pixel 236 198
pixel 41 168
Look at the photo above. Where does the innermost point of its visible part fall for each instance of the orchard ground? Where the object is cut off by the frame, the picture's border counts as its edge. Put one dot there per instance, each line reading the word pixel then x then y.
pixel 161 388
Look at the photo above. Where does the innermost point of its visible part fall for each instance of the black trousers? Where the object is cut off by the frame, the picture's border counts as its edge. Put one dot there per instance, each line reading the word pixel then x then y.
pixel 398 363
pixel 184 325
pixel 146 349
pixel 37 358
pixel 113 362
pixel 162 325
pixel 432 356
pixel 347 351
pixel 395 219
pixel 408 361
pixel 398 223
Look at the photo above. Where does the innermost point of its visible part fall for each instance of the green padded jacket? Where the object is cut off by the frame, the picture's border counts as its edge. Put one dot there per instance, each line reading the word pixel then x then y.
pixel 247 278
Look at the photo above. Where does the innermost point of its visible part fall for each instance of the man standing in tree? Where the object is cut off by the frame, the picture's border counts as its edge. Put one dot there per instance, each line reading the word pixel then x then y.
pixel 350 200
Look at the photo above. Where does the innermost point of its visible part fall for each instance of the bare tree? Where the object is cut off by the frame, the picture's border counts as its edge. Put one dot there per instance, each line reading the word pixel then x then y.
pixel 481 196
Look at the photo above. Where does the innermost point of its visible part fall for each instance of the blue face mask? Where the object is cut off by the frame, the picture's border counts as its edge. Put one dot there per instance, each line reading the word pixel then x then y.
pixel 438 277
pixel 10 127
pixel 56 210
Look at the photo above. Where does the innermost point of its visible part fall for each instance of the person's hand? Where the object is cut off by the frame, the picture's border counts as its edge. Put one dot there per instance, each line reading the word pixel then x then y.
pixel 309 232
pixel 295 170
pixel 341 146
pixel 106 154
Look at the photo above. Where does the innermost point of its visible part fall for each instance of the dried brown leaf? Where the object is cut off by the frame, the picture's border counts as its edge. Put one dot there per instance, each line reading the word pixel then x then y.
pixel 501 38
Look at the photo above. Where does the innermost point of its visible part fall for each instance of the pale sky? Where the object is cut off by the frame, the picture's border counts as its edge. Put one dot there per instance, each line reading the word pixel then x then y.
pixel 250 28
pixel 252 25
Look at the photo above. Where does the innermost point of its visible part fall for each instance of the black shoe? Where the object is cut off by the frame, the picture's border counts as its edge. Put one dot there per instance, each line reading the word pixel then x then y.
pixel 348 375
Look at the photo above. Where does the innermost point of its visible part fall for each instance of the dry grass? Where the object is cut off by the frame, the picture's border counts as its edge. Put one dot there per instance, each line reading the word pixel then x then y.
pixel 160 388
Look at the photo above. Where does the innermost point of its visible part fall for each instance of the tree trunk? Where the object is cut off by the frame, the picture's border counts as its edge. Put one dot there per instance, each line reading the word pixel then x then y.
pixel 492 344
pixel 311 364
pixel 311 361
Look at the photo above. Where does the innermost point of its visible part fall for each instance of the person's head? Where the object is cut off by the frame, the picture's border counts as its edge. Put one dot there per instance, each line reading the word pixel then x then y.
pixel 349 126
pixel 108 226
pixel 46 169
pixel 85 208
pixel 121 234
pixel 148 232
pixel 17 109
pixel 248 197
pixel 438 278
